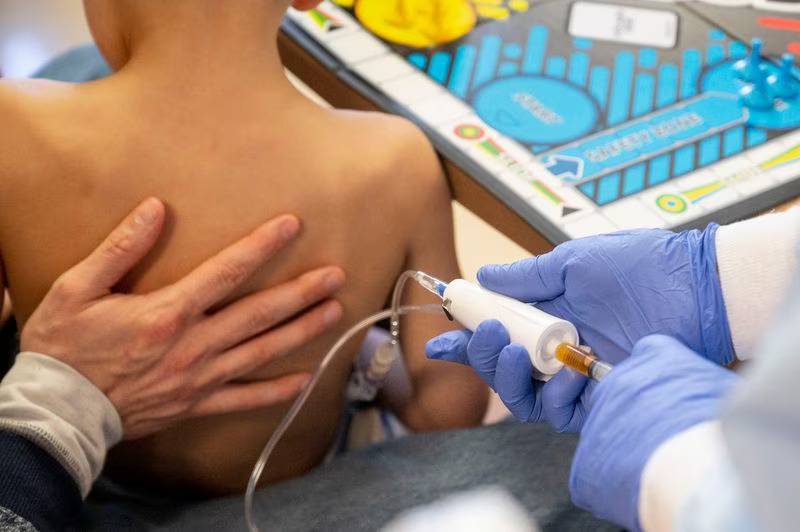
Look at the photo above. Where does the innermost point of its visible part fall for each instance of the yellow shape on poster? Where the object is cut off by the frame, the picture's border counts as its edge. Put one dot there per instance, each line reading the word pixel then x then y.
pixel 701 192
pixel 671 203
pixel 417 23
pixel 519 5
pixel 497 13
pixel 344 3
pixel 784 158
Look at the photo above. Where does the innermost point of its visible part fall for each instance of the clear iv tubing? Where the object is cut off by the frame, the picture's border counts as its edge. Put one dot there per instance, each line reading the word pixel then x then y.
pixel 394 328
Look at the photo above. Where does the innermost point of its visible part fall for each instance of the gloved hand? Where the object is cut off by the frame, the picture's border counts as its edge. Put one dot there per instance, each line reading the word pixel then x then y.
pixel 663 389
pixel 620 287
pixel 616 289
pixel 507 369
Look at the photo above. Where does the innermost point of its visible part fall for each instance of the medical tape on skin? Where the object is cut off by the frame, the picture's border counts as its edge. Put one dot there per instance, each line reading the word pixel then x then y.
pixel 54 406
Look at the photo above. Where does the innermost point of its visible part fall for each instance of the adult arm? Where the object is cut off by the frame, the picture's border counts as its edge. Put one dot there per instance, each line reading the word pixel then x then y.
pixel 675 443
pixel 659 406
pixel 740 473
pixel 616 288
pixel 620 287
pixel 122 365
pixel 706 468
pixel 757 483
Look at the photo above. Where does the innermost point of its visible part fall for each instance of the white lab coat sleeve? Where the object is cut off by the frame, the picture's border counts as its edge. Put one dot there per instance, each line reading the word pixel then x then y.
pixel 54 406
pixel 757 261
pixel 761 423
pixel 690 485
pixel 674 472
pixel 718 503
pixel 740 473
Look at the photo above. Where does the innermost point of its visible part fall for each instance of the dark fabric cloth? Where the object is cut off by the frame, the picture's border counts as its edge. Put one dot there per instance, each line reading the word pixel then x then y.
pixel 363 490
pixel 34 486
pixel 9 345
pixel 11 522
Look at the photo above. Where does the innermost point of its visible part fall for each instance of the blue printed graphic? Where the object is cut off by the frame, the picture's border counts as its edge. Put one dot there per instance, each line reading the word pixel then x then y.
pixel 643 97
pixel 756 136
pixel 656 133
pixel 692 64
pixel 634 179
pixel 661 113
pixel 418 60
pixel 658 170
pixel 564 167
pixel 537 45
pixel 648 58
pixel 621 97
pixel 587 123
pixel 462 69
pixel 579 68
pixel 709 150
pixel 487 59
pixel 667 85
pixel 684 160
pixel 608 189
pixel 440 64
pixel 537 109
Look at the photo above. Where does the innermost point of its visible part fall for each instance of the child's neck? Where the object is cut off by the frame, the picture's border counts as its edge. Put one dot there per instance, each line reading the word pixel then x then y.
pixel 202 49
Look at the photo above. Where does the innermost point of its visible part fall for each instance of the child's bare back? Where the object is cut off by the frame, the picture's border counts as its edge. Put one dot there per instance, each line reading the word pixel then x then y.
pixel 227 153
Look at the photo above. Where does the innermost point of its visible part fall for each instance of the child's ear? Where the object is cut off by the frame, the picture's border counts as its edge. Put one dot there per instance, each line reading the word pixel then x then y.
pixel 305 5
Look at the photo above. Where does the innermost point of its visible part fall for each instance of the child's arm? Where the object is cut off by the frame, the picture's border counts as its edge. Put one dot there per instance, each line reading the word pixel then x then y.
pixel 445 395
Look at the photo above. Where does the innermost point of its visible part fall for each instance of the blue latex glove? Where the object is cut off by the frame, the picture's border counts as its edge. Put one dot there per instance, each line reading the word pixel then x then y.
pixel 616 289
pixel 507 369
pixel 620 287
pixel 663 389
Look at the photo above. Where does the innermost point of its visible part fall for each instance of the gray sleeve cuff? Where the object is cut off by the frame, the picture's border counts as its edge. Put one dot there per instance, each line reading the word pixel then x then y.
pixel 60 410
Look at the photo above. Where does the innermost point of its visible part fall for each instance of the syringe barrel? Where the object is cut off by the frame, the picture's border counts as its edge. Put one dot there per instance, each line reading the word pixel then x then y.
pixel 539 332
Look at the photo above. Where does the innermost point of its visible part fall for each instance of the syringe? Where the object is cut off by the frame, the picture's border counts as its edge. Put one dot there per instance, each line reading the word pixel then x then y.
pixel 551 342
pixel 582 362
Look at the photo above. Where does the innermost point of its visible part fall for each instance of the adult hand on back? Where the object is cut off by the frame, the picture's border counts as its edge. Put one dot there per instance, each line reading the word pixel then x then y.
pixel 161 357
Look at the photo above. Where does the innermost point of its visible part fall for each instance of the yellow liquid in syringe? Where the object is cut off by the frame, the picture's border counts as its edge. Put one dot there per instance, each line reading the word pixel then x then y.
pixel 582 362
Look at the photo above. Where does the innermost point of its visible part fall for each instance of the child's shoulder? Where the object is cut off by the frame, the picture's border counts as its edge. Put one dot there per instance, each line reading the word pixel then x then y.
pixel 28 103
pixel 21 94
pixel 391 143
pixel 31 118
pixel 14 100
pixel 397 163
pixel 393 132
pixel 17 108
